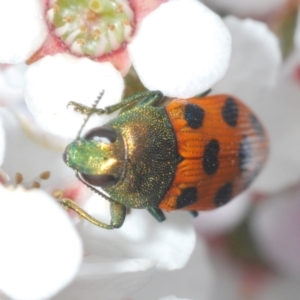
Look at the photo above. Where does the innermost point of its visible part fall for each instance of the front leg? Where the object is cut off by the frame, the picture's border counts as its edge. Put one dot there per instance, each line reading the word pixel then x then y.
pixel 118 213
pixel 149 98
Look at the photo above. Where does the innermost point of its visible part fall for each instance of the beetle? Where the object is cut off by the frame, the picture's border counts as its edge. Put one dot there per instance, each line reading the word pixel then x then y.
pixel 192 154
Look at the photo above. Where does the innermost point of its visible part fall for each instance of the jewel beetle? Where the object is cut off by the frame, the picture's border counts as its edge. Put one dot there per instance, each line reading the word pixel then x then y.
pixel 192 154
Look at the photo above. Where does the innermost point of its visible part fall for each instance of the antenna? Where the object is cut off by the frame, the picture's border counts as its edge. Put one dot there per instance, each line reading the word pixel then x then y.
pixel 91 111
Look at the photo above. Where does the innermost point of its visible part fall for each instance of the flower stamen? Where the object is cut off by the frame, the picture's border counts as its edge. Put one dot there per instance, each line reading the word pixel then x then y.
pixel 18 178
pixel 45 175
pixel 91 27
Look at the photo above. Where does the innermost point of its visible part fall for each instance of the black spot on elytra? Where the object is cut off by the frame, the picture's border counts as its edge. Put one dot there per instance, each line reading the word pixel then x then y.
pixel 230 112
pixel 224 194
pixel 194 115
pixel 210 157
pixel 257 126
pixel 187 197
pixel 245 153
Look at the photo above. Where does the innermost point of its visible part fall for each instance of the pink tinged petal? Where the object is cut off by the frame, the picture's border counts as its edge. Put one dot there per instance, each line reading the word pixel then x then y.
pixel 171 242
pixel 143 7
pixel 182 48
pixel 4 178
pixel 40 250
pixel 251 73
pixel 119 59
pixel 246 7
pixel 51 46
pixel 223 219
pixel 22 29
pixel 275 229
pixel 52 82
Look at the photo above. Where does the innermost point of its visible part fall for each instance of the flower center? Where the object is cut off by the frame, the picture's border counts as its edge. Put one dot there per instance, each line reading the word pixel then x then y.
pixel 91 27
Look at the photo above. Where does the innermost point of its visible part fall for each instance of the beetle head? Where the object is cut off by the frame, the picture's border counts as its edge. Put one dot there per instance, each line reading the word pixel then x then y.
pixel 98 156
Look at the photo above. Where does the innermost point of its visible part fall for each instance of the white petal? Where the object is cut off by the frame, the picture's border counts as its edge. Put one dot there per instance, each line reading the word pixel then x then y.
pixel 11 83
pixel 22 29
pixel 52 82
pixel 223 219
pixel 275 229
pixel 108 279
pixel 280 114
pixel 40 251
pixel 168 244
pixel 194 281
pixel 31 154
pixel 172 243
pixel 246 7
pixel 251 72
pixel 181 48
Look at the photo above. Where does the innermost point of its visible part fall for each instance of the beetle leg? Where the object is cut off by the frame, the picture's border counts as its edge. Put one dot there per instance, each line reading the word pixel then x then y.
pixel 118 212
pixel 157 214
pixel 149 98
pixel 204 94
pixel 194 213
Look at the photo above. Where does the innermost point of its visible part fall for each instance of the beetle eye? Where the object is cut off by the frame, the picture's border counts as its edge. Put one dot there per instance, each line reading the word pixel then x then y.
pixel 102 134
pixel 100 180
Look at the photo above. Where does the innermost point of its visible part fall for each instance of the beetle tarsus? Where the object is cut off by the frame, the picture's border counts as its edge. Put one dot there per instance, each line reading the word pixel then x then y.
pixel 194 213
pixel 67 203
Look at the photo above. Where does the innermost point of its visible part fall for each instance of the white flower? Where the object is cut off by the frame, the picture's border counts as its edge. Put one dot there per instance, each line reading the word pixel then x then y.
pixel 179 58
